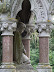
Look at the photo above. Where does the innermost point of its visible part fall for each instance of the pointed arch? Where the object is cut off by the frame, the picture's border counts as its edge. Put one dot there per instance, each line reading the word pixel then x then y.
pixel 16 6
pixel 39 7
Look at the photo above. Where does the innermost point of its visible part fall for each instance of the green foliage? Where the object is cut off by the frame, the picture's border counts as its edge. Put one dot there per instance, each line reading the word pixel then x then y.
pixel 53 69
pixel 51 47
pixel 51 51
pixel 34 50
pixel 51 57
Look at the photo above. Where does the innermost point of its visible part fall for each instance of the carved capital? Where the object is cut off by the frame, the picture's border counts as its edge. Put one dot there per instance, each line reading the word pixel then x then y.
pixel 44 29
pixel 29 29
pixel 21 27
pixel 8 27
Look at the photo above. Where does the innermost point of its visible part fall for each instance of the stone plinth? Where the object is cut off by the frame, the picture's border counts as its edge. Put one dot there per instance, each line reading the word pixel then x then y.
pixel 7 67
pixel 26 43
pixel 44 67
pixel 43 50
pixel 24 68
pixel 26 71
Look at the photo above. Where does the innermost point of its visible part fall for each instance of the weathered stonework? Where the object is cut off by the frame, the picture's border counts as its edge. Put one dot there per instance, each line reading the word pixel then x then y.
pixel 44 67
pixel 7 28
pixel 44 28
pixel 9 10
pixel 37 6
pixel 26 43
pixel 43 49
pixel 7 49
pixel 7 67
pixel 16 6
pixel 30 28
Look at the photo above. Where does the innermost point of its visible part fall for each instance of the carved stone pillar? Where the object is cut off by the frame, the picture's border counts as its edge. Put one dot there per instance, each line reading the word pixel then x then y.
pixel 7 27
pixel 43 49
pixel 26 43
pixel 26 40
pixel 7 42
pixel 44 34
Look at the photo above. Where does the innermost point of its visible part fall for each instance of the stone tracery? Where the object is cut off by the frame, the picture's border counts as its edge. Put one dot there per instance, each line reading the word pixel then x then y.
pixel 37 6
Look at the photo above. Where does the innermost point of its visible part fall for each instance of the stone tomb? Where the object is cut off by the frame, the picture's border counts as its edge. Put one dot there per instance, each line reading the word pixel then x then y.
pixel 15 58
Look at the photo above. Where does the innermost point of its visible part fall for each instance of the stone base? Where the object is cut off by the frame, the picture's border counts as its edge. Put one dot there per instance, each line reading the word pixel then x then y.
pixel 26 71
pixel 7 67
pixel 44 67
pixel 24 68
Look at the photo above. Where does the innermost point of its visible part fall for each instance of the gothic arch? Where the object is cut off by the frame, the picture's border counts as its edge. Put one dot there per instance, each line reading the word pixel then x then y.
pixel 39 7
pixel 16 6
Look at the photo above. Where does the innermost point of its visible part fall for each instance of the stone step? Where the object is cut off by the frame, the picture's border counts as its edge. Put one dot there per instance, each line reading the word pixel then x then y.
pixel 25 68
pixel 26 71
pixel 19 68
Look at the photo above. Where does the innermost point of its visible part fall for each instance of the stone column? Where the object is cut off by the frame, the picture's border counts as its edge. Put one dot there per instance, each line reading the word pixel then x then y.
pixel 26 43
pixel 44 34
pixel 7 42
pixel 26 39
pixel 7 29
pixel 43 49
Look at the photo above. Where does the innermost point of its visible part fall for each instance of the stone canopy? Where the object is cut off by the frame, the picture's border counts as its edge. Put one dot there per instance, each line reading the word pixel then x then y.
pixel 41 8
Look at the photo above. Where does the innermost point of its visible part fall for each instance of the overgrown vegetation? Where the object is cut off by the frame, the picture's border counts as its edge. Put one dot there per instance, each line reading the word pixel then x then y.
pixel 34 49
pixel 51 50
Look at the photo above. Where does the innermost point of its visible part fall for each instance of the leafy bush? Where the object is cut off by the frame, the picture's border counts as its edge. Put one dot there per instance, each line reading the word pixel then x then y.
pixel 34 51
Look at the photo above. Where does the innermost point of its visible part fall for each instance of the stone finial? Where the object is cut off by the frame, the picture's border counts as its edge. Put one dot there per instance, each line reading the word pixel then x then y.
pixel 44 29
pixel 7 28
